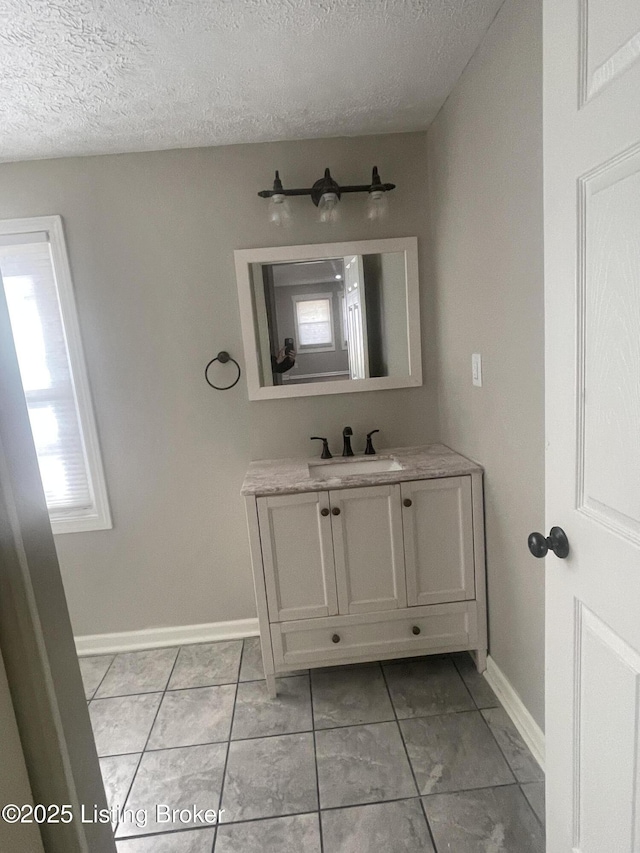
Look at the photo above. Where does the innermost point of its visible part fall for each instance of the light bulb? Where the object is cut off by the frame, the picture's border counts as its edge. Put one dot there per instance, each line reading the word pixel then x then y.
pixel 279 211
pixel 328 207
pixel 377 205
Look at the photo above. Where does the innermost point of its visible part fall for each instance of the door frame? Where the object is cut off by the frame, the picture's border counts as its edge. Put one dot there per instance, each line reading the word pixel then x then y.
pixel 36 636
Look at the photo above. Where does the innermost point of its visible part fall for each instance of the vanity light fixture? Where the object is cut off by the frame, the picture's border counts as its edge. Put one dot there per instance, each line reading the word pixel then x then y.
pixel 326 194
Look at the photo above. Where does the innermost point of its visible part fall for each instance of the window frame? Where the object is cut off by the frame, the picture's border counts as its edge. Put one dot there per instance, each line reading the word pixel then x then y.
pixel 342 301
pixel 99 516
pixel 314 297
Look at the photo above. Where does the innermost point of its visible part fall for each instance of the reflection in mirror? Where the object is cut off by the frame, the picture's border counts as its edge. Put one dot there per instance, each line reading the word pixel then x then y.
pixel 331 319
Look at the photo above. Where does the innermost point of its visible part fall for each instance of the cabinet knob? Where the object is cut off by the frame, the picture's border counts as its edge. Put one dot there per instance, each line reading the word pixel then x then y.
pixel 324 511
pixel 416 630
pixel 336 511
pixel 407 502
pixel 335 638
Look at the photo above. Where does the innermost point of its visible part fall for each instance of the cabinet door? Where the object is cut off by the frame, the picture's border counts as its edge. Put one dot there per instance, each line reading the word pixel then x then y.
pixel 438 540
pixel 367 542
pixel 297 554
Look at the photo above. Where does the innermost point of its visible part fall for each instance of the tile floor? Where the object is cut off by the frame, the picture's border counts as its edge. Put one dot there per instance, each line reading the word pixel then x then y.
pixel 405 756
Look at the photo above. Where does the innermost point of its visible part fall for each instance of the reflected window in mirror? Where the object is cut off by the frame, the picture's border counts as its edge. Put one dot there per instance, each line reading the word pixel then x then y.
pixel 314 322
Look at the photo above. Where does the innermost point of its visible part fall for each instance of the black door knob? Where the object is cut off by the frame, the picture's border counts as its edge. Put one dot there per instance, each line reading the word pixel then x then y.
pixel 556 541
pixel 324 511
pixel 335 638
pixel 336 510
pixel 407 502
pixel 416 630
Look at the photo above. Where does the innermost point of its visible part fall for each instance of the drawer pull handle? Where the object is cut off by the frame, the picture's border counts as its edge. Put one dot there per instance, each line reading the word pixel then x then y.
pixel 335 638
pixel 336 510
pixel 407 502
pixel 324 511
pixel 416 630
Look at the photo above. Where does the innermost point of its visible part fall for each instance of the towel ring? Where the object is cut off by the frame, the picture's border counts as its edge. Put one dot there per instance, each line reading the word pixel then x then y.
pixel 223 357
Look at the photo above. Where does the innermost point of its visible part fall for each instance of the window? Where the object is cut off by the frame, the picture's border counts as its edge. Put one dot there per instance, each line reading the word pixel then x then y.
pixel 314 322
pixel 35 273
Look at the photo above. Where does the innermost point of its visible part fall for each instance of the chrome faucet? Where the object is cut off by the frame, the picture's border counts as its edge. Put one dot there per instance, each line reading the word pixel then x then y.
pixel 347 432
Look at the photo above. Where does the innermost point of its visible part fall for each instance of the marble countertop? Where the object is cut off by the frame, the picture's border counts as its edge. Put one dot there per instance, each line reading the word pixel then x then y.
pixel 290 476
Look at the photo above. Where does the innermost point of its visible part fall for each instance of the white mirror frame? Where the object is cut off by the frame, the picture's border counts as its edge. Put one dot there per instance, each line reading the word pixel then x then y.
pixel 245 257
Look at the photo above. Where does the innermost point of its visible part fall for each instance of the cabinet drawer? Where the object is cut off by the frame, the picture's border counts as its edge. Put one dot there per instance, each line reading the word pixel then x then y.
pixel 369 636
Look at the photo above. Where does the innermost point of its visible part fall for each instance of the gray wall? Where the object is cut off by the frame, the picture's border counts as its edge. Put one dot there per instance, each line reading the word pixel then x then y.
pixel 485 265
pixel 151 240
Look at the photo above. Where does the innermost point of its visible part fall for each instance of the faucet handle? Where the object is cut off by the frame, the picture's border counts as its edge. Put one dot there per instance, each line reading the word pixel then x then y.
pixel 347 450
pixel 326 453
pixel 370 450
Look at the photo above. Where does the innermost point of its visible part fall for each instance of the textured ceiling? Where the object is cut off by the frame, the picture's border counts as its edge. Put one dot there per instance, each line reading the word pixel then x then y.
pixel 103 76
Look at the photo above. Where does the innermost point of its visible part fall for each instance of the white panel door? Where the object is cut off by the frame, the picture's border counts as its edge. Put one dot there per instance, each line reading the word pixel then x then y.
pixel 592 308
pixel 437 517
pixel 367 540
pixel 356 311
pixel 297 551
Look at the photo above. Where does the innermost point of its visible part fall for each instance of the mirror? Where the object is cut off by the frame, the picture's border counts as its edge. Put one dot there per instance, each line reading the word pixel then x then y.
pixel 330 318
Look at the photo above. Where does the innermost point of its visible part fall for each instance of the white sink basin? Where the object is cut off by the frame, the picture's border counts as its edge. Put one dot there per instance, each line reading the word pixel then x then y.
pixel 331 470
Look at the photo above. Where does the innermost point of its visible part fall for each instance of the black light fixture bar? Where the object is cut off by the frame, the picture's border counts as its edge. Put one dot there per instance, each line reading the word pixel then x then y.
pixel 327 184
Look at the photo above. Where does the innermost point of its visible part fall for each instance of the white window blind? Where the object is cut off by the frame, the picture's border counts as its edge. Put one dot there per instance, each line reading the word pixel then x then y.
pixel 314 321
pixel 45 333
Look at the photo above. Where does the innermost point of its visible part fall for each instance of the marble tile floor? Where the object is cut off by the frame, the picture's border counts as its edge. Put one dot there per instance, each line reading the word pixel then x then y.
pixel 414 755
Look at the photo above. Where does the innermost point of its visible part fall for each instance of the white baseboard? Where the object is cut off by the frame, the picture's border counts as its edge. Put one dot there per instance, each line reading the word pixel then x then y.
pixel 531 732
pixel 157 638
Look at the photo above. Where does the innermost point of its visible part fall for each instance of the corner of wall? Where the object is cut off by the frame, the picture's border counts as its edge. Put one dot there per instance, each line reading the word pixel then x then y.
pixel 484 267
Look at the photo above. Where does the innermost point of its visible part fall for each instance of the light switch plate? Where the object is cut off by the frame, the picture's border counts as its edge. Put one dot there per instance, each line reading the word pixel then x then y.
pixel 476 369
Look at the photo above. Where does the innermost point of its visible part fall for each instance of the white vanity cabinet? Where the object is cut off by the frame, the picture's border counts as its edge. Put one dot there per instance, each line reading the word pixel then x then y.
pixel 350 542
pixel 369 572
pixel 366 524
pixel 438 540
pixel 295 531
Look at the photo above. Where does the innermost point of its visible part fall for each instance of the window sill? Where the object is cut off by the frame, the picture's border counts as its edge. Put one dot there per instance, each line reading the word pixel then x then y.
pixel 80 524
